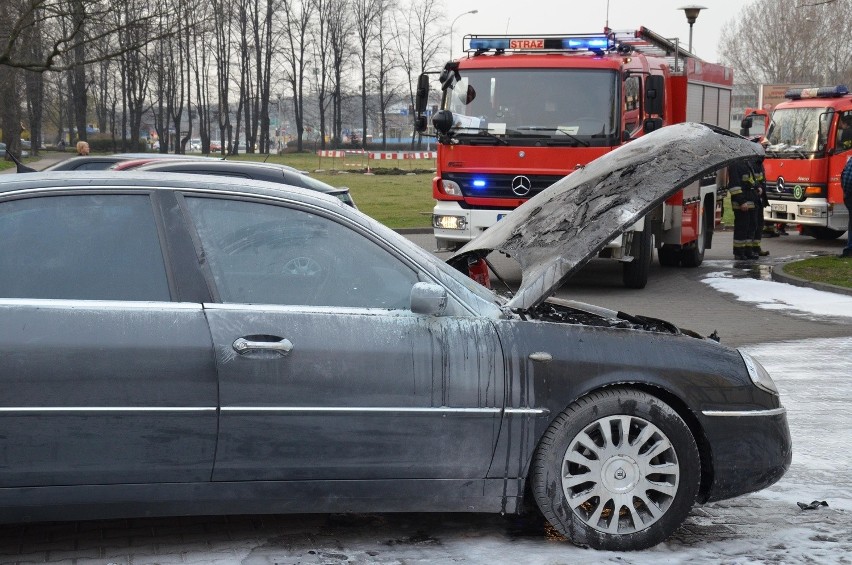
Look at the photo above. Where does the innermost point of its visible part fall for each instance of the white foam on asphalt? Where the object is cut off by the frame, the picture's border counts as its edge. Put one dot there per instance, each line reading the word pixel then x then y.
pixel 772 295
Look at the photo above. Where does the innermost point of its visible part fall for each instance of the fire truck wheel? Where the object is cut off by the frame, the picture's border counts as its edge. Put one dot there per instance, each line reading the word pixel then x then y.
pixel 821 232
pixel 635 273
pixel 669 255
pixel 693 255
pixel 618 470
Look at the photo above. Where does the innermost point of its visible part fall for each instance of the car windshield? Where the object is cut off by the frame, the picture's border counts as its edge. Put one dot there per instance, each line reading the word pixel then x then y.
pixel 798 132
pixel 525 104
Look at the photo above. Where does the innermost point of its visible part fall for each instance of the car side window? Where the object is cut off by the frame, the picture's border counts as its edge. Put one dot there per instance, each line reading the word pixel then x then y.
pixel 844 131
pixel 266 254
pixel 632 104
pixel 81 247
pixel 94 166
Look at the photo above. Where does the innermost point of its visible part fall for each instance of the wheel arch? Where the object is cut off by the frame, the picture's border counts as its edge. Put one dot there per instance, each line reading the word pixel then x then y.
pixel 679 406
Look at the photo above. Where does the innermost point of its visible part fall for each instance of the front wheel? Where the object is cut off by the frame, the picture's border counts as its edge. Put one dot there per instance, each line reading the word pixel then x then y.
pixel 618 470
pixel 821 232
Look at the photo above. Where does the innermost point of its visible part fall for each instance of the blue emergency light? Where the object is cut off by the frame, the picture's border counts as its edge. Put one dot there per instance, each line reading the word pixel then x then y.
pixel 479 183
pixel 595 42
pixel 822 92
pixel 590 43
pixel 485 43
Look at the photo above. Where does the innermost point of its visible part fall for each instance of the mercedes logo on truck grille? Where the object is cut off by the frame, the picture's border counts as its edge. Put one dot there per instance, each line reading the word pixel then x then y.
pixel 521 185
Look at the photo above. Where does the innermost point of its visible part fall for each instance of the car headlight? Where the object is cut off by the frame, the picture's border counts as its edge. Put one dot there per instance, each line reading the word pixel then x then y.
pixel 759 376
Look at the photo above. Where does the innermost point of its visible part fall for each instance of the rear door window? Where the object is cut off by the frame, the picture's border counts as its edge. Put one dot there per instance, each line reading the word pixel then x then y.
pixel 81 247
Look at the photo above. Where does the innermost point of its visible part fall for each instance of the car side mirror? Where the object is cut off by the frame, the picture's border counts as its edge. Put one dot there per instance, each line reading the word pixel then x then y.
pixel 428 298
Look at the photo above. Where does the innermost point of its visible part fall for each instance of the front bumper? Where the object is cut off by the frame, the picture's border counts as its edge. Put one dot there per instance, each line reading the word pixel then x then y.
pixel 475 222
pixel 751 450
pixel 810 212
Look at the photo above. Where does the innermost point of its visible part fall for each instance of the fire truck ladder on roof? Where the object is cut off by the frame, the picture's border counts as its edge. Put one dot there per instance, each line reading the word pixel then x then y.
pixel 647 42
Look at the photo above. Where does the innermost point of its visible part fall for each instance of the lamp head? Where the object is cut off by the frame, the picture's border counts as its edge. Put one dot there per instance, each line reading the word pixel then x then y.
pixel 691 12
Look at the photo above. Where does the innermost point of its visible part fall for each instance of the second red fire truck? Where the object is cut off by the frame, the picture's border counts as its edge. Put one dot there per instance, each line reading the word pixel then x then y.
pixel 806 152
pixel 519 113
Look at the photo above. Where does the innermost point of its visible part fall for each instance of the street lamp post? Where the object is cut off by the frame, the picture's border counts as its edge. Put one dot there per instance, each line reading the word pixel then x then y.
pixel 691 15
pixel 454 23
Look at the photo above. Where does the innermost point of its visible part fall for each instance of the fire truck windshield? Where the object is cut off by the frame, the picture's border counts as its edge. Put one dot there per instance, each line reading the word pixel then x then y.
pixel 527 105
pixel 798 132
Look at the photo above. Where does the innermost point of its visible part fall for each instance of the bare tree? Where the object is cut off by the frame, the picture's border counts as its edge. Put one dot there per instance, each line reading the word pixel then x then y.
pixel 386 63
pixel 136 66
pixel 418 42
pixel 34 85
pixel 770 42
pixel 222 24
pixel 67 26
pixel 339 26
pixel 202 38
pixel 296 19
pixel 324 10
pixel 365 14
pixel 10 109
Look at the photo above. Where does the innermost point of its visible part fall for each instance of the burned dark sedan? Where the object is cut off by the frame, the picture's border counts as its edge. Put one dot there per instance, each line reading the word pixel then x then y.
pixel 176 344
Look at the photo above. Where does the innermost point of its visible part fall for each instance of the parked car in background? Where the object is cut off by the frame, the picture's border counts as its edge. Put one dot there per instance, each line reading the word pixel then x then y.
pixel 269 172
pixel 136 162
pixel 186 344
pixel 87 163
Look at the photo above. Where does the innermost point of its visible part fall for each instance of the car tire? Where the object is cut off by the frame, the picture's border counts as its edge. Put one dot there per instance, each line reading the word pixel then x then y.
pixel 652 478
pixel 635 273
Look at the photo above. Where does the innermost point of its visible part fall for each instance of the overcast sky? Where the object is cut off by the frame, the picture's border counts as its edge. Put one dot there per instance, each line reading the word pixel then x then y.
pixel 585 16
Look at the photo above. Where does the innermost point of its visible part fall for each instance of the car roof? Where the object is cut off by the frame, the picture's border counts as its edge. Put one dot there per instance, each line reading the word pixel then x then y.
pixel 224 164
pixel 254 169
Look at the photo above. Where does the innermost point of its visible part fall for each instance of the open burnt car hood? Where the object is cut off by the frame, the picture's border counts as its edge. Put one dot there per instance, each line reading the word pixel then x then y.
pixel 556 232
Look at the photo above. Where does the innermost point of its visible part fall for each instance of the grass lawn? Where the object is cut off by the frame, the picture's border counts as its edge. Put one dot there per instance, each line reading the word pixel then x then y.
pixel 831 270
pixel 396 200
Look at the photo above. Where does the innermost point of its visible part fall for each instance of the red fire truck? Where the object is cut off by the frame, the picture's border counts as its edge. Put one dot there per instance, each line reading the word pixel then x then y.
pixel 806 153
pixel 519 113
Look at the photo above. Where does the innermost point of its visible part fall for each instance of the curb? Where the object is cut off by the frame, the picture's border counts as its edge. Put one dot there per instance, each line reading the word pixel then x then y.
pixel 405 231
pixel 779 275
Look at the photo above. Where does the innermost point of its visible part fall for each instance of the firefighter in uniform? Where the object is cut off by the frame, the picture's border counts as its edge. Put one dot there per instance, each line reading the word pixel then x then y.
pixel 742 193
pixel 760 202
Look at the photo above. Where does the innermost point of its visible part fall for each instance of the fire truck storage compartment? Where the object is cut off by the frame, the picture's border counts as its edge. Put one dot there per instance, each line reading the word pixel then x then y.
pixel 708 104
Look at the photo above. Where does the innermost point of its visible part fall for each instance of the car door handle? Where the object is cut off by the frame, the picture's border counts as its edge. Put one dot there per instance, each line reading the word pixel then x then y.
pixel 282 347
pixel 541 357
